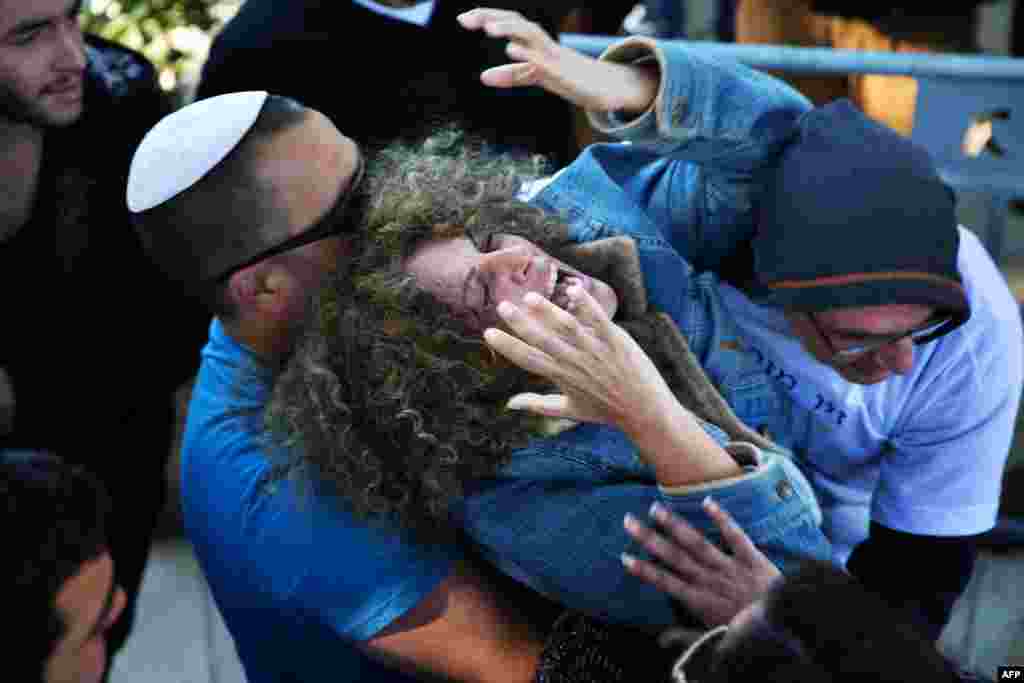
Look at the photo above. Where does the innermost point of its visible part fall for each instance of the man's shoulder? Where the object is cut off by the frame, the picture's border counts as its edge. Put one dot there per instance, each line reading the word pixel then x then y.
pixel 230 392
pixel 981 361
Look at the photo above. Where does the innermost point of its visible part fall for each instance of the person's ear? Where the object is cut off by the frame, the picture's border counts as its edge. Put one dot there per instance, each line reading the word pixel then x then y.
pixel 275 290
pixel 260 288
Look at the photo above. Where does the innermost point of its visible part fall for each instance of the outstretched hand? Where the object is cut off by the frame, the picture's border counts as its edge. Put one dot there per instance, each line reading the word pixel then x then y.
pixel 603 374
pixel 710 584
pixel 540 60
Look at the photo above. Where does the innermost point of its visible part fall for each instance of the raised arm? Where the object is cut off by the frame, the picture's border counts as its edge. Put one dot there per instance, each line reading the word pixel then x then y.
pixel 327 580
pixel 541 61
pixel 663 96
pixel 700 129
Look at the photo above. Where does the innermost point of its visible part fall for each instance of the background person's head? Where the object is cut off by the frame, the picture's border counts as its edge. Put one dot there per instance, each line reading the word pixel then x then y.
pixel 58 574
pixel 225 190
pixel 857 240
pixel 42 62
pixel 820 625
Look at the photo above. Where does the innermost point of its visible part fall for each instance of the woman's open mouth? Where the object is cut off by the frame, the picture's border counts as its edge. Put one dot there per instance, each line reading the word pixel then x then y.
pixel 561 282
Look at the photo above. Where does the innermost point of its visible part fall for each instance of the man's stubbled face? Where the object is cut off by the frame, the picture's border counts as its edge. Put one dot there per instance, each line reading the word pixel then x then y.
pixel 42 62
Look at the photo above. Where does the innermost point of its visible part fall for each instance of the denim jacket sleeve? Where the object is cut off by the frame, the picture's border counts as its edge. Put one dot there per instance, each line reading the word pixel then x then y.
pixel 712 126
pixel 553 519
pixel 707 110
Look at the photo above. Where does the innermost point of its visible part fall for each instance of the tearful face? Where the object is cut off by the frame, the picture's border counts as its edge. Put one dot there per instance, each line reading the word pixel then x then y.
pixel 472 281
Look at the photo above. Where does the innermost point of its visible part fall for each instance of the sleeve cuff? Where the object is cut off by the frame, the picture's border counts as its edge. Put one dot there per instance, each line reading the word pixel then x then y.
pixel 634 50
pixel 531 188
pixel 747 455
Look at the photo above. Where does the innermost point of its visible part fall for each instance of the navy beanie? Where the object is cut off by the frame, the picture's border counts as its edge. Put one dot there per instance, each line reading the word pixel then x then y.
pixel 855 214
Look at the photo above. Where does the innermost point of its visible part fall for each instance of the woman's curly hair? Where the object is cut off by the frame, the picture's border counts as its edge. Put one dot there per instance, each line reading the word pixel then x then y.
pixel 389 401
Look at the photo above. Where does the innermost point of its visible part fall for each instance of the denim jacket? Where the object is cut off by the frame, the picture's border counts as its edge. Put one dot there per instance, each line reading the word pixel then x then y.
pixel 554 518
pixel 683 189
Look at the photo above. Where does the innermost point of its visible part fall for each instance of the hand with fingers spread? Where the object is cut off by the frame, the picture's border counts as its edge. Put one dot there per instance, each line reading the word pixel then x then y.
pixel 603 373
pixel 709 583
pixel 606 377
pixel 540 60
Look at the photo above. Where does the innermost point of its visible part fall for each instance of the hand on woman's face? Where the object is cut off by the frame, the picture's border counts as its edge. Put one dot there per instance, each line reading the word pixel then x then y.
pixel 473 282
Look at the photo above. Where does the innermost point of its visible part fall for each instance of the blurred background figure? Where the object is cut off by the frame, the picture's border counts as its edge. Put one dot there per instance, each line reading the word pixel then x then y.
pixel 381 70
pixel 949 27
pixel 95 338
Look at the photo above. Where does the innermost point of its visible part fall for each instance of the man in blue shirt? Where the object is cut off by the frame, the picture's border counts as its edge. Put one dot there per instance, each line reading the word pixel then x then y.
pixel 308 592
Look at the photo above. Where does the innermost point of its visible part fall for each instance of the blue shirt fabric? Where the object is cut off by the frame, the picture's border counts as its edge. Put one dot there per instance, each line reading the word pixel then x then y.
pixel 298 579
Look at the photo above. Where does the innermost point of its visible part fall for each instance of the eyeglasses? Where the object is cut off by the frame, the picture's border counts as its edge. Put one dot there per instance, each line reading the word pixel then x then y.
pixel 695 662
pixel 930 330
pixel 337 221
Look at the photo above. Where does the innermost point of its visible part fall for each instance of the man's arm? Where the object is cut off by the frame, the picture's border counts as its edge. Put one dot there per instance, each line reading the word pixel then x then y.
pixel 921 574
pixel 427 609
pixel 464 630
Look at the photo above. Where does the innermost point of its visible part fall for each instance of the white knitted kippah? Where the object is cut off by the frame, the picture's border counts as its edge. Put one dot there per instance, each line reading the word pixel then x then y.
pixel 186 144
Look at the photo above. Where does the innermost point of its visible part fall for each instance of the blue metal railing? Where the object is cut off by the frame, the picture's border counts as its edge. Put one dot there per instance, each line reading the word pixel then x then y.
pixel 830 61
pixel 953 91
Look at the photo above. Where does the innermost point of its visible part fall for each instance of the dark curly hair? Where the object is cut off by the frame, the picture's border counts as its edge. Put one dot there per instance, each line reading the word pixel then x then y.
pixel 820 624
pixel 389 401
